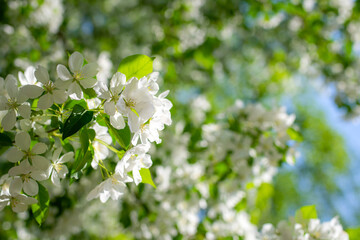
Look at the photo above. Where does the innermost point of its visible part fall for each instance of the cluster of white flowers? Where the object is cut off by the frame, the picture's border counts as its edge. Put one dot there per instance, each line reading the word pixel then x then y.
pixel 37 146
pixel 185 200
pixel 255 139
pixel 313 230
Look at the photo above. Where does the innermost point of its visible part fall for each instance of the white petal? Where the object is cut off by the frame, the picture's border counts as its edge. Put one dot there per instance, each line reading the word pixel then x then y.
pixel 75 91
pixel 25 110
pixel 40 163
pixel 104 196
pixel 31 187
pixel 29 74
pixel 56 154
pixel 136 176
pixel 42 75
pixel 63 171
pixel 109 108
pixel 76 61
pixel 25 199
pixel 63 72
pixel 26 124
pixel 31 91
pixel 22 79
pixel 60 96
pixel 133 121
pixel 11 86
pixel 45 101
pixel 145 110
pixel 118 81
pixel 14 155
pixel 16 185
pixel 39 148
pixel 3 103
pixel 66 157
pixel 89 70
pixel 19 207
pixel 9 120
pixel 55 178
pixel 117 121
pixel 88 82
pixel 23 168
pixel 23 140
pixel 40 175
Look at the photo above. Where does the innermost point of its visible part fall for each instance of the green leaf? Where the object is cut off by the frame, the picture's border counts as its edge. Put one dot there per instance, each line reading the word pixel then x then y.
pixel 146 177
pixel 85 155
pixel 304 214
pixel 89 93
pixel 354 233
pixel 41 209
pixel 5 140
pixel 71 104
pixel 294 135
pixel 136 66
pixel 77 119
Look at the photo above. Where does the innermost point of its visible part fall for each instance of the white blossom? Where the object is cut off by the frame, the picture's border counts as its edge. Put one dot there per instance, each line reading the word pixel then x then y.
pixel 113 188
pixel 82 76
pixel 57 168
pixel 136 103
pixel 134 160
pixel 53 92
pixel 14 103
pixel 112 95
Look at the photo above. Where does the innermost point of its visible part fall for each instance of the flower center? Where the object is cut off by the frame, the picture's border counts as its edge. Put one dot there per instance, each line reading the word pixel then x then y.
pixel 49 87
pixel 26 177
pixel 13 104
pixel 77 76
pixel 129 103
pixel 57 167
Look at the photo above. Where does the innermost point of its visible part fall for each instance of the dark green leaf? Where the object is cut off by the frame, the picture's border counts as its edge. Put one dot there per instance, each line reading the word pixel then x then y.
pixel 41 208
pixel 5 140
pixel 77 119
pixel 84 155
pixel 136 66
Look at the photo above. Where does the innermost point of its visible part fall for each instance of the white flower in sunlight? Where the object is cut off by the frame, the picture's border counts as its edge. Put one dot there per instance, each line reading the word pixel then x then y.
pixel 100 150
pixel 82 76
pixel 113 188
pixel 133 160
pixel 150 82
pixel 28 82
pixel 136 103
pixel 15 103
pixel 331 230
pixel 57 168
pixel 112 95
pixel 149 131
pixel 53 92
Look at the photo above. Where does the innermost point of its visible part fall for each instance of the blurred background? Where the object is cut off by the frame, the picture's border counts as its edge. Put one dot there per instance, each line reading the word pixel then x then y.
pixel 303 55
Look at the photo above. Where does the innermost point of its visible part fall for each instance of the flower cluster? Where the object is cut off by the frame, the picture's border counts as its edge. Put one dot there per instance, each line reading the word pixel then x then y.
pixel 313 230
pixel 255 140
pixel 58 128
